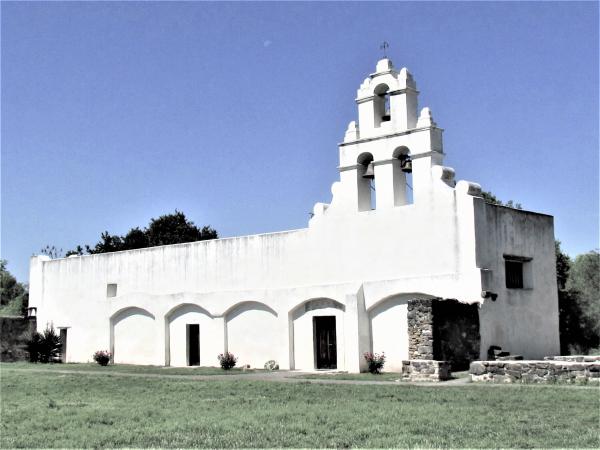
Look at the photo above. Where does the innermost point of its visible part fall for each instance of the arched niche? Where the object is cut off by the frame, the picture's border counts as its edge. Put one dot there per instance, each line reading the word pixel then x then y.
pixel 313 324
pixel 133 337
pixel 190 336
pixel 252 333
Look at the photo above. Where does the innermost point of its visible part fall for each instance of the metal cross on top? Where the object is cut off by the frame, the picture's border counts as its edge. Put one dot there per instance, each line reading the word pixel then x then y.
pixel 384 47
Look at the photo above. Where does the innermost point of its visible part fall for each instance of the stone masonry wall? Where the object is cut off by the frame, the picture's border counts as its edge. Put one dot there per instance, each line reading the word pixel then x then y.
pixel 420 329
pixel 425 370
pixel 576 358
pixel 547 371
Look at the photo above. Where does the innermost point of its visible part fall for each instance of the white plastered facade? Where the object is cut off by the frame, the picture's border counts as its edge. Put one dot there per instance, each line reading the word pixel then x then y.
pixel 361 259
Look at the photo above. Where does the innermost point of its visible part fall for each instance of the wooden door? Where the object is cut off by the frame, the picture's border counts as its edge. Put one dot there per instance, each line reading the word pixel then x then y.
pixel 325 342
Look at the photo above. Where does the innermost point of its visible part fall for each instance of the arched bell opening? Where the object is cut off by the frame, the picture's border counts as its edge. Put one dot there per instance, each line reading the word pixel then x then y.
pixel 365 182
pixel 381 105
pixel 402 174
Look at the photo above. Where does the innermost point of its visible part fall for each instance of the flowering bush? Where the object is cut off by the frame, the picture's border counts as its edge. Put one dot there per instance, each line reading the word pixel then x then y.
pixel 375 361
pixel 102 357
pixel 227 360
pixel 271 365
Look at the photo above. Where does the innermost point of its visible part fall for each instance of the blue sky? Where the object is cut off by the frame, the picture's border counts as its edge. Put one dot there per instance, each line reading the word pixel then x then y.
pixel 117 112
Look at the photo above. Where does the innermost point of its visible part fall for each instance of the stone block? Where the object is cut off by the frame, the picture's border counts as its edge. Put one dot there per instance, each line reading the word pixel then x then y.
pixel 477 368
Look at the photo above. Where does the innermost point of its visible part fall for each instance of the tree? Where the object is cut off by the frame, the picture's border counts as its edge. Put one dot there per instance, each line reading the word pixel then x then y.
pixel 584 280
pixel 579 311
pixel 108 243
pixel 176 229
pixel 167 229
pixel 491 198
pixel 14 296
pixel 136 238
pixel 52 251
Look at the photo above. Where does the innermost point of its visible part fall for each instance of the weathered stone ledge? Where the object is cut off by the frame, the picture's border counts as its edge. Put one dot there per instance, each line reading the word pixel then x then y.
pixel 425 370
pixel 535 371
pixel 574 358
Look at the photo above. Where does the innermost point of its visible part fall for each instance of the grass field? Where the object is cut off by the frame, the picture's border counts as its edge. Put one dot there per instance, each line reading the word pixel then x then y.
pixel 385 376
pixel 130 368
pixel 51 409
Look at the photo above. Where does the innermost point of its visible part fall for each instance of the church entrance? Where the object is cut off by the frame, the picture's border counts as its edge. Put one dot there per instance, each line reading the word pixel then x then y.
pixel 193 344
pixel 325 342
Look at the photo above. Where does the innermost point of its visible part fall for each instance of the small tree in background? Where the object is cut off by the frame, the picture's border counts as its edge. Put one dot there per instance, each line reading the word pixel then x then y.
pixel 14 296
pixel 174 228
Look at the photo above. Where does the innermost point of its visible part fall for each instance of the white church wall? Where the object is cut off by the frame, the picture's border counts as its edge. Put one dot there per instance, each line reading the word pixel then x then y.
pixel 135 338
pixel 522 321
pixel 253 334
pixel 389 331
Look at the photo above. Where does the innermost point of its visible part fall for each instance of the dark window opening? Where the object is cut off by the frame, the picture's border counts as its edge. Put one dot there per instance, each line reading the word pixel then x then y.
pixel 514 274
pixel 63 345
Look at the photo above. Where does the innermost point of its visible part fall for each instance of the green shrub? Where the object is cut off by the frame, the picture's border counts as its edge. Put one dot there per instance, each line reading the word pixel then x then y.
pixel 375 361
pixel 227 360
pixel 44 347
pixel 102 357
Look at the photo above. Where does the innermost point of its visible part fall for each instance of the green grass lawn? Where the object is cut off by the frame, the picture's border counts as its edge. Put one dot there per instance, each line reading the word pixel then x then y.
pixel 385 376
pixel 51 409
pixel 130 368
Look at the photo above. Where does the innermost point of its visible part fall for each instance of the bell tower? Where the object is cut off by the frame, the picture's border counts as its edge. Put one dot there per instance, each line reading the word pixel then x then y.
pixel 390 145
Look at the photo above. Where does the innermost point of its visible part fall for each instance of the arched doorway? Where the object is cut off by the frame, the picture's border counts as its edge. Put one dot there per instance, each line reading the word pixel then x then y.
pixel 189 337
pixel 317 335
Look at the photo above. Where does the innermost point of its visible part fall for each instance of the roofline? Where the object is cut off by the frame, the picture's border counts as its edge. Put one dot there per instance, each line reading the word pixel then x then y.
pixel 526 211
pixel 204 241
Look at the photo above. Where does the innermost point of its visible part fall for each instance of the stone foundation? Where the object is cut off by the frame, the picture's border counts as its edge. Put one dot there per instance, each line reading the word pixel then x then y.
pixel 547 371
pixel 425 370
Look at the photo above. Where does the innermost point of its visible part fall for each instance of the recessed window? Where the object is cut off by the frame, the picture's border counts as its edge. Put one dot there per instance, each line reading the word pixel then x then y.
pixel 111 290
pixel 517 270
pixel 514 274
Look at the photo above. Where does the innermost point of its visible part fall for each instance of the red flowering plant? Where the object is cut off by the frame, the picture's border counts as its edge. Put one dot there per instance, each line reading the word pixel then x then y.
pixel 102 357
pixel 227 360
pixel 375 361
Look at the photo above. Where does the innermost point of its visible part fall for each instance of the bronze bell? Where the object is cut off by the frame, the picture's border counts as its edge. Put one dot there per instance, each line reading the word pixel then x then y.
pixel 406 164
pixel 369 172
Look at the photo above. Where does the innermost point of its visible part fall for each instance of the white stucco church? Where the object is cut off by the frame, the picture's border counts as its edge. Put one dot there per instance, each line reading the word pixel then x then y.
pixel 399 237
